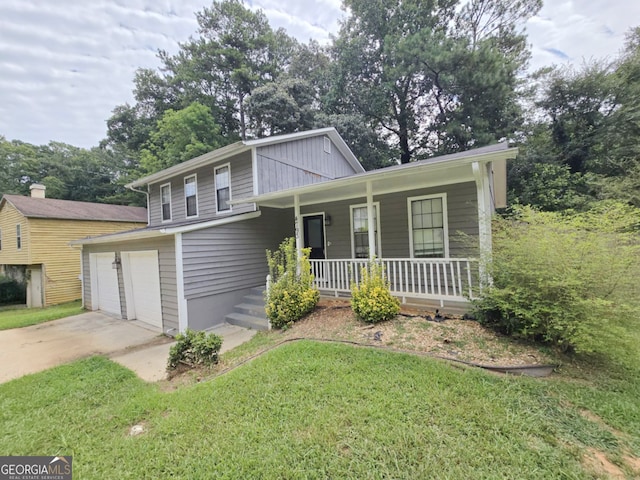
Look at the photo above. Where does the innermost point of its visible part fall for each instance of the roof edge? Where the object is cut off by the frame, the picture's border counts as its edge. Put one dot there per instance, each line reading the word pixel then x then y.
pixel 245 145
pixel 483 154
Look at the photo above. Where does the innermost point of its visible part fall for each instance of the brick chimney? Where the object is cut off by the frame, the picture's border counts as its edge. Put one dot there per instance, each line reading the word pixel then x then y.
pixel 37 190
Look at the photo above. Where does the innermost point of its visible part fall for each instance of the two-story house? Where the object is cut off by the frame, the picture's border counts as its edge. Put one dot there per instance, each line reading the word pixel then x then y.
pixel 35 233
pixel 212 218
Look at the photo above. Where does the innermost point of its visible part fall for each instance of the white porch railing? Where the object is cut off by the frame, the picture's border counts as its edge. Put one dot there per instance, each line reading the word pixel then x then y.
pixel 432 278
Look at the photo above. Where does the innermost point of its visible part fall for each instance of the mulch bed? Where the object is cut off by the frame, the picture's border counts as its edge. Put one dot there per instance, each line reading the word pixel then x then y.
pixel 412 330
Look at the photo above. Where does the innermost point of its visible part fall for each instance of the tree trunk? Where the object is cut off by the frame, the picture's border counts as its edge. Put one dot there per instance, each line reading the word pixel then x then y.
pixel 403 135
pixel 243 127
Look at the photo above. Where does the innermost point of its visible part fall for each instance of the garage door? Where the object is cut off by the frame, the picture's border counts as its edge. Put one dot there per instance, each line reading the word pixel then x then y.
pixel 142 286
pixel 105 294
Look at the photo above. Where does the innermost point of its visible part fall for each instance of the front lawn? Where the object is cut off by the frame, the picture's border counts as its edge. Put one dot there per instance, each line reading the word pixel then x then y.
pixel 23 317
pixel 317 410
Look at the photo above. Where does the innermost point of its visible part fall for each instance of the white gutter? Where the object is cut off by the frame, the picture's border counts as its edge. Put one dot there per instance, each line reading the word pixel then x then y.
pixel 130 187
pixel 207 158
pixel 243 146
pixel 211 223
pixel 150 233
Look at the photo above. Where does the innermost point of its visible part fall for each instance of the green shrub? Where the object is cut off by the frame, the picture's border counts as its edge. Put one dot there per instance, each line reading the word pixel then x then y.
pixel 194 348
pixel 291 294
pixel 11 291
pixel 372 301
pixel 566 279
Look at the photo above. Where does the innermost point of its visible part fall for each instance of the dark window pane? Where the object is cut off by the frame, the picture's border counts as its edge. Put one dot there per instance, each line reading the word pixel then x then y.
pixel 223 199
pixel 192 208
pixel 166 211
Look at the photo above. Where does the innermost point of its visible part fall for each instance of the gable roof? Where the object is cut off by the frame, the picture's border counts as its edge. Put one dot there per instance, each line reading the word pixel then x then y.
pixel 245 146
pixel 70 210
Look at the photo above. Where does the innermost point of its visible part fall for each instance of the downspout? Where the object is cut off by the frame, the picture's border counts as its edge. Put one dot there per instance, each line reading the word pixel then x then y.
pixel 82 274
pixel 130 187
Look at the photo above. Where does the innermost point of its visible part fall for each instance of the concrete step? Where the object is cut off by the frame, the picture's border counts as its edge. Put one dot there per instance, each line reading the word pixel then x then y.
pixel 251 309
pixel 253 300
pixel 247 321
pixel 259 291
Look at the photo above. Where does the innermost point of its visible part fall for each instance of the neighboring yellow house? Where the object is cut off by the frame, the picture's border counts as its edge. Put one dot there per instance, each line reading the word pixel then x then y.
pixel 35 233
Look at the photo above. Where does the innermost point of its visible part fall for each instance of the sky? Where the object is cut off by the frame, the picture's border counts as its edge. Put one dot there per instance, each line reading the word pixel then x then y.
pixel 65 64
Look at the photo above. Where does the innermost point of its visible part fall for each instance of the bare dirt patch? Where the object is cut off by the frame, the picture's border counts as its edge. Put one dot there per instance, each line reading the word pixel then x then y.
pixel 598 463
pixel 632 462
pixel 453 338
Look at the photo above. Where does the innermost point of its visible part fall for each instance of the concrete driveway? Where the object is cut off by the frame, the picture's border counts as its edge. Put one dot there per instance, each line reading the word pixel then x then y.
pixel 32 349
pixel 130 343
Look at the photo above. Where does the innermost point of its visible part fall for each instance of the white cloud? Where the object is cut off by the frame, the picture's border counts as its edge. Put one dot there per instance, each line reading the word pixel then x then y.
pixel 65 64
pixel 567 31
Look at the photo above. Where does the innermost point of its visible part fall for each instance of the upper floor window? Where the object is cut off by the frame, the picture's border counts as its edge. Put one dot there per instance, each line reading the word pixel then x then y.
pixel 360 230
pixel 0 239
pixel 428 230
pixel 191 195
pixel 18 236
pixel 165 201
pixel 223 188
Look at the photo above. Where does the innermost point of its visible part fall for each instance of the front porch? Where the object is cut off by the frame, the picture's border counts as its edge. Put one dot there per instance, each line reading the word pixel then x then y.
pixel 435 279
pixel 428 222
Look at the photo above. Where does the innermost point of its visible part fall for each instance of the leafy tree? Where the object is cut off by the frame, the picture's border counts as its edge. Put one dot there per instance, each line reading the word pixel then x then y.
pixel 179 136
pixel 12 155
pixel 282 106
pixel 582 144
pixel 578 104
pixel 433 87
pixel 236 52
pixel 68 172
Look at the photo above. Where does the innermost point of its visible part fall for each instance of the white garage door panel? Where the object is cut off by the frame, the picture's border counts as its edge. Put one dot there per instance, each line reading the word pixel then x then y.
pixel 106 295
pixel 143 287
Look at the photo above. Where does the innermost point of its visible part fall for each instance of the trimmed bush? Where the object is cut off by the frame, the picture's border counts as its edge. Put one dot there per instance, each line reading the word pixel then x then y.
pixel 194 348
pixel 372 301
pixel 567 279
pixel 291 294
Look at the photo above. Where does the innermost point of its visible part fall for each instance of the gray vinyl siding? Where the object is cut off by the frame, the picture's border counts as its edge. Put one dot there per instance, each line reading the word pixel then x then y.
pixel 167 265
pixel 205 312
pixel 311 164
pixel 394 221
pixel 232 257
pixel 241 187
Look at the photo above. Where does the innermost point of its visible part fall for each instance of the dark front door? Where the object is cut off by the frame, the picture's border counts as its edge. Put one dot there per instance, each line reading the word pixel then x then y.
pixel 314 235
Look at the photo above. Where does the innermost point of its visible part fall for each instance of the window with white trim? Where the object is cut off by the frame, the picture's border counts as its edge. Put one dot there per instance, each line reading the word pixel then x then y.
pixel 360 230
pixel 165 201
pixel 223 188
pixel 191 195
pixel 428 226
pixel 18 236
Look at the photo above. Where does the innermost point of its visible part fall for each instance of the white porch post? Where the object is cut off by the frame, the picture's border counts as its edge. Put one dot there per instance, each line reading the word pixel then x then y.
pixel 481 175
pixel 298 224
pixel 183 312
pixel 371 221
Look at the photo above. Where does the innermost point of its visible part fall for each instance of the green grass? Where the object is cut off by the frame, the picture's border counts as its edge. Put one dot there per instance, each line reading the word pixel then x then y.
pixel 316 410
pixel 23 317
